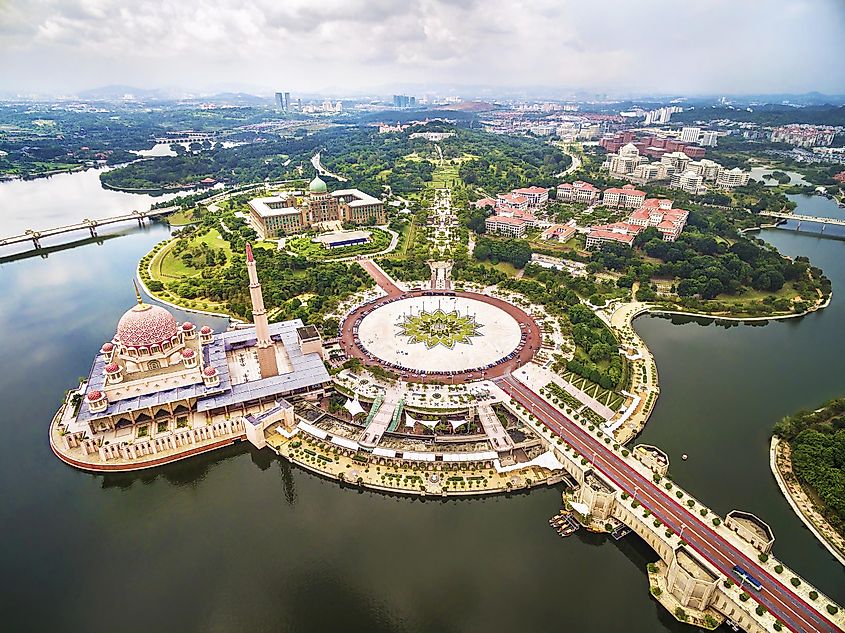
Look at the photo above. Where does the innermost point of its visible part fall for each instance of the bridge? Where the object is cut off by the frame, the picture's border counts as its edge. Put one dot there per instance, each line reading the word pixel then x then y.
pixel 803 218
pixel 621 476
pixel 31 235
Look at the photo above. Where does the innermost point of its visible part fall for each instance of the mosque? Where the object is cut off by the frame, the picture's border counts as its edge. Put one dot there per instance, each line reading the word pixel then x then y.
pixel 160 390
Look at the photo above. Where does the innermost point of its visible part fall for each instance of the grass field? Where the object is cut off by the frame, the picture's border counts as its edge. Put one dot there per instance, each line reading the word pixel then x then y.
pixel 181 218
pixel 506 267
pixel 166 266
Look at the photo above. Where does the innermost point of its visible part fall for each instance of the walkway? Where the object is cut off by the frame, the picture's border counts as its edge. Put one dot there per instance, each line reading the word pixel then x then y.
pixel 382 419
pixel 781 601
pixel 496 433
pixel 380 277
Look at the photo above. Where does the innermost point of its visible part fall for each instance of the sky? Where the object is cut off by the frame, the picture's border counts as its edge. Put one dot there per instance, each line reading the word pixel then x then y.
pixel 379 46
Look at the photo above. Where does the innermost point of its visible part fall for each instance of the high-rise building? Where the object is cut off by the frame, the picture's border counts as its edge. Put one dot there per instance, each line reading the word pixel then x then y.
pixel 404 101
pixel 690 134
pixel 708 138
pixel 283 101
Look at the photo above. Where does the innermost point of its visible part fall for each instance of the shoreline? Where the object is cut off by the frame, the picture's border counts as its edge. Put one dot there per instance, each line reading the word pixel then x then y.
pixel 153 295
pixel 775 453
pixel 702 315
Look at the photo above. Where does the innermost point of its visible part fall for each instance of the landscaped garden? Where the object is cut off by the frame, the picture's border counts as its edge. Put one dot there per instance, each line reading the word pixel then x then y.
pixel 305 246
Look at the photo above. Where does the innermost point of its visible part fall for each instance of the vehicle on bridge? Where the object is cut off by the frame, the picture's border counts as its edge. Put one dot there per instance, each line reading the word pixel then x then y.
pixel 747 578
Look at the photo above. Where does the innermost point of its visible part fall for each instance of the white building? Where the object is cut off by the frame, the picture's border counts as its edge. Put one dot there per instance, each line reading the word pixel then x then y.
pixel 578 191
pixel 708 138
pixel 689 181
pixel 626 161
pixel 690 134
pixel 708 169
pixel 537 197
pixel 678 161
pixel 627 197
pixel 730 178
pixel 506 225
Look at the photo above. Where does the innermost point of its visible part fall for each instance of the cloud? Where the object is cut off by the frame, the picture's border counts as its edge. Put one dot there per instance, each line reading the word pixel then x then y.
pixel 303 45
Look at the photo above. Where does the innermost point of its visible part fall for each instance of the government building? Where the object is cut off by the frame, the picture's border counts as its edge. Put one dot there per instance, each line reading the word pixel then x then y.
pixel 295 211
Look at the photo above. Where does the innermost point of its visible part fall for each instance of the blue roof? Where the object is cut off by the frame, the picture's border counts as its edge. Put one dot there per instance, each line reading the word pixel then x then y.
pixel 307 370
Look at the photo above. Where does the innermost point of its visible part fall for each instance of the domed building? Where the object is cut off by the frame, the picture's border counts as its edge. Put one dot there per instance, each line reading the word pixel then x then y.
pixel 317 186
pixel 161 387
pixel 291 212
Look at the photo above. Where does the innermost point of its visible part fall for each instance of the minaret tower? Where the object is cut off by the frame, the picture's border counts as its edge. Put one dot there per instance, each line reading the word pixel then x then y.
pixel 266 350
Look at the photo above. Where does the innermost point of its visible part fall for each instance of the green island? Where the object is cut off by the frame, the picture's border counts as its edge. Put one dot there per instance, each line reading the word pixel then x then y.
pixel 810 461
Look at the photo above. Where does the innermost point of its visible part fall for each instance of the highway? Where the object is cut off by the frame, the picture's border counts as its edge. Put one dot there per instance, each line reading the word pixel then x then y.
pixel 796 614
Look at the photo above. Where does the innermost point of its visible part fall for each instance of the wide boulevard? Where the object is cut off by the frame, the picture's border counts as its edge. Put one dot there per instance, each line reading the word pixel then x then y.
pixel 795 613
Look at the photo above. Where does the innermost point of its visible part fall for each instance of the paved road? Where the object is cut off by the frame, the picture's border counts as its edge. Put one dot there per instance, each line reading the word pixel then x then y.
pixel 796 614
pixel 384 282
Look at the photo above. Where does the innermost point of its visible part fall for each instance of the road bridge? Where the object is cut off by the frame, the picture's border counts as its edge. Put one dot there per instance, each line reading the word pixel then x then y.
pixel 31 235
pixel 787 605
pixel 803 218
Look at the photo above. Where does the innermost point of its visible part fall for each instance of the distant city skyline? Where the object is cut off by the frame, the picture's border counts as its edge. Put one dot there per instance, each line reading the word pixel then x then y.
pixel 379 46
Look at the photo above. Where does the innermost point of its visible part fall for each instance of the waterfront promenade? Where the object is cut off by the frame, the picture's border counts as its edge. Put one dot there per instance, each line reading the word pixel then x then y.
pixel 783 603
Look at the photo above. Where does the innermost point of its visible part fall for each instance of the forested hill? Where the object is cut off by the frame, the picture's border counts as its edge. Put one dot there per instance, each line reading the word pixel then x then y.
pixel 817 439
pixel 770 114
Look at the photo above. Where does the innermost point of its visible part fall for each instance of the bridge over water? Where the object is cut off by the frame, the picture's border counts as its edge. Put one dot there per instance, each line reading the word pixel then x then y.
pixel 699 554
pixel 90 225
pixel 803 218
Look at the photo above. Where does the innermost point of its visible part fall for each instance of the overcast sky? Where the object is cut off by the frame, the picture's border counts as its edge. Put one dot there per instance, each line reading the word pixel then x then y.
pixel 667 46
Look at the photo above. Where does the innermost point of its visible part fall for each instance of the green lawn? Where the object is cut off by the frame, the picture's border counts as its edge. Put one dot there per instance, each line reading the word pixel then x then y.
pixel 166 266
pixel 181 218
pixel 507 268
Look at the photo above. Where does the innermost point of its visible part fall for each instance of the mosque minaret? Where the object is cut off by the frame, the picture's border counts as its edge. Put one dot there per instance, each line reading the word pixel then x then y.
pixel 266 350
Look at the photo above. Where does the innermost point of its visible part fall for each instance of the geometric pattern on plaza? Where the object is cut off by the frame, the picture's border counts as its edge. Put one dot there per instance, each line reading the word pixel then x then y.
pixel 439 328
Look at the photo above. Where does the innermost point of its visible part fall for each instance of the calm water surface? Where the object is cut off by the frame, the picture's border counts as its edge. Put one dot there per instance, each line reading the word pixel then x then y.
pixel 240 541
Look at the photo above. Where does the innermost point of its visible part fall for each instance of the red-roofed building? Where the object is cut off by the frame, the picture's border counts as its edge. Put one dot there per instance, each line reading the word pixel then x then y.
pixel 627 197
pixel 512 200
pixel 840 177
pixel 599 235
pixel 578 191
pixel 484 202
pixel 558 232
pixel 537 196
pixel 660 214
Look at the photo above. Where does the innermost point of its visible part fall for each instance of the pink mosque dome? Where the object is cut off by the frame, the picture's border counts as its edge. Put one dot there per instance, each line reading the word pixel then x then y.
pixel 112 368
pixel 187 325
pixel 209 371
pixel 95 395
pixel 187 353
pixel 107 347
pixel 206 330
pixel 144 325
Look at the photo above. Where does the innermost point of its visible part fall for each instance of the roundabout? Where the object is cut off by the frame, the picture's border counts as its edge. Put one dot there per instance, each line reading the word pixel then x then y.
pixel 428 335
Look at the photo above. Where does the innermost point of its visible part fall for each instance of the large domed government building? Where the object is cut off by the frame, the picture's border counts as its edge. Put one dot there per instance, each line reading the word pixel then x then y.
pixel 161 390
pixel 290 212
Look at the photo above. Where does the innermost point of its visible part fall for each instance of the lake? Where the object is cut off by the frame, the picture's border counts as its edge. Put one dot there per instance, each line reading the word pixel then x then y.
pixel 239 540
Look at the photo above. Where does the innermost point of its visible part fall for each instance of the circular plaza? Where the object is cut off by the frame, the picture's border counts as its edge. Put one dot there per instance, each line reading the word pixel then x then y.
pixel 455 336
